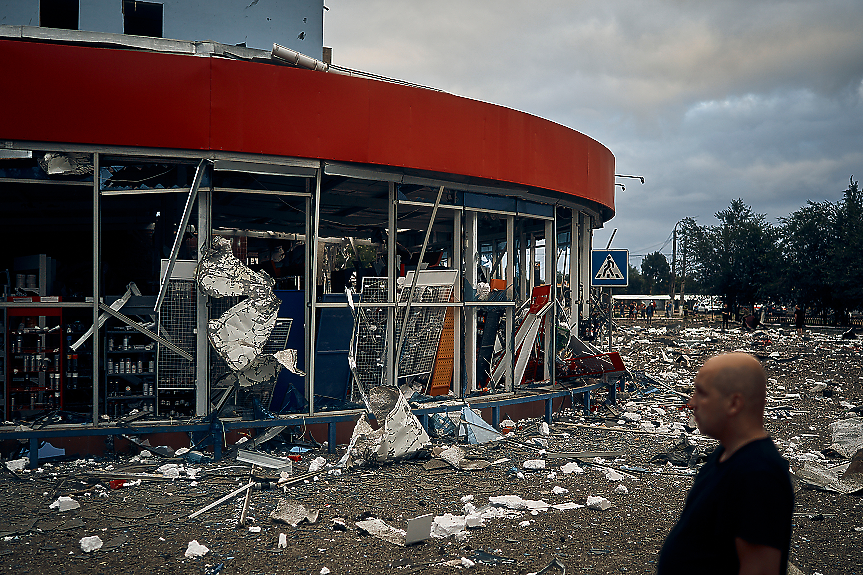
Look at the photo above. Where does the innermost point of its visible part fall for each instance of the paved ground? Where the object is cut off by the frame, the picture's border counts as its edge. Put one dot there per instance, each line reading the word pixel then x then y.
pixel 145 528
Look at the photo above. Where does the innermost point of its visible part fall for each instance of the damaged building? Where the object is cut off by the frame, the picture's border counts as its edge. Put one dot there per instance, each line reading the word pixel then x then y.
pixel 261 237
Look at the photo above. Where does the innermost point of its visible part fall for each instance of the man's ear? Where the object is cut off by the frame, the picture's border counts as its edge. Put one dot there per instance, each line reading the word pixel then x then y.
pixel 735 404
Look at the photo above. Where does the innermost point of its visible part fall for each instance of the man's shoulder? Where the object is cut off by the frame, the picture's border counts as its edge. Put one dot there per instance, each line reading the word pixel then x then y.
pixel 759 457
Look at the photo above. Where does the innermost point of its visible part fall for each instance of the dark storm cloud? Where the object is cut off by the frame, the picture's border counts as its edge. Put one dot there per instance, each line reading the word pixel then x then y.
pixel 710 101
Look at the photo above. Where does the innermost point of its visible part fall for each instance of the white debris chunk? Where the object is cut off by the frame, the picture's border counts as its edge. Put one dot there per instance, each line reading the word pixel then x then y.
pixel 90 544
pixel 171 470
pixel 65 504
pixel 571 467
pixel 534 464
pixel 597 502
pixel 317 464
pixel 195 549
pixel 18 464
pixel 621 488
pixel 612 475
pixel 283 541
pixel 558 490
pixel 517 503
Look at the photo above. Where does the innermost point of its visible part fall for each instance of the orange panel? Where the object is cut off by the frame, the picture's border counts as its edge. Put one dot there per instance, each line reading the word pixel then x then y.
pixel 443 363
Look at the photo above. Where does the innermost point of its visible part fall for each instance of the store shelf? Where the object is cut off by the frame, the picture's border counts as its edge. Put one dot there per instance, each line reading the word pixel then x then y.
pixel 33 366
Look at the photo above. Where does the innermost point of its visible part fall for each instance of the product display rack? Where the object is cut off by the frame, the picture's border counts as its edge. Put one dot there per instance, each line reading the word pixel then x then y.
pixel 130 372
pixel 34 364
pixel 78 389
pixel 3 358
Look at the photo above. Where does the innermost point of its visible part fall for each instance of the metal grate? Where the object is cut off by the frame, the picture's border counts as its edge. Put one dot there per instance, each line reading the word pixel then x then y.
pixel 423 329
pixel 278 339
pixel 177 324
pixel 371 333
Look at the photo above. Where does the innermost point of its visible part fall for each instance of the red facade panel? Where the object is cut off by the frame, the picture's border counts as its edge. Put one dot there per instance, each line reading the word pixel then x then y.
pixel 78 94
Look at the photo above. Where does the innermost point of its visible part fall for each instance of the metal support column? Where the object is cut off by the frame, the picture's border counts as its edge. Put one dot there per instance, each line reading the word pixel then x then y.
pixel 202 345
pixel 550 317
pixel 97 266
pixel 331 437
pixel 457 316
pixel 312 293
pixel 307 283
pixel 392 274
pixel 470 264
pixel 531 276
pixel 585 242
pixel 510 293
pixel 572 273
pixel 522 262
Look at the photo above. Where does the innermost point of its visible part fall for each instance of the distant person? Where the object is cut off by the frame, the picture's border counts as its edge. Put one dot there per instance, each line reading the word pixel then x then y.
pixel 651 308
pixel 668 307
pixel 799 319
pixel 737 515
pixel 726 315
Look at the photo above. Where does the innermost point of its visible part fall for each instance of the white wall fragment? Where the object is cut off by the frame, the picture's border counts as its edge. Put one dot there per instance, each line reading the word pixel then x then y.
pixel 90 544
pixel 64 504
pixel 196 549
pixel 597 502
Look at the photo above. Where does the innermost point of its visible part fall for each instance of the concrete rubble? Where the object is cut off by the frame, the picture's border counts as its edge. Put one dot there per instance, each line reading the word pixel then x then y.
pixel 608 471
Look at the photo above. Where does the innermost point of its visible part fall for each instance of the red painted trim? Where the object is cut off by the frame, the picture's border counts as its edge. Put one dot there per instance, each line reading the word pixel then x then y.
pixel 81 94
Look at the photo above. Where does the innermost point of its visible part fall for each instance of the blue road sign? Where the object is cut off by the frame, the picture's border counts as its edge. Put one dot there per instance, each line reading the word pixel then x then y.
pixel 609 268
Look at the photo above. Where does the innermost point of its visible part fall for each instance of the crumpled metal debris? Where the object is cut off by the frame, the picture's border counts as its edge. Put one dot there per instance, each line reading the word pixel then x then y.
pixel 401 436
pixel 239 334
pixel 293 513
pixel 847 435
pixel 828 478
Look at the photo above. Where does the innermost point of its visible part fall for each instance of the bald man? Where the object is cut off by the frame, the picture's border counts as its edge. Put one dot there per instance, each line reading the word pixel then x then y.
pixel 737 516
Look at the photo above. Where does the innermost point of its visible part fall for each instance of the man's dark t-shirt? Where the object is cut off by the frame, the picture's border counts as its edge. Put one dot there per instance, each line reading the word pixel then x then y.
pixel 748 496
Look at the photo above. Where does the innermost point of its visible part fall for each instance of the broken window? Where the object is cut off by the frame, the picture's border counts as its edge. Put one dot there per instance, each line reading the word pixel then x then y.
pixel 58 14
pixel 142 18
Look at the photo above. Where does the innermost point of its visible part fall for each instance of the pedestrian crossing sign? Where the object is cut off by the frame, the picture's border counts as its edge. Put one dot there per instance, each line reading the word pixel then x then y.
pixel 609 268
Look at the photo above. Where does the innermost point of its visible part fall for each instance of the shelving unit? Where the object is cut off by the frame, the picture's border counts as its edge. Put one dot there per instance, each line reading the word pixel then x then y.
pixel 34 365
pixel 130 372
pixel 3 360
pixel 78 390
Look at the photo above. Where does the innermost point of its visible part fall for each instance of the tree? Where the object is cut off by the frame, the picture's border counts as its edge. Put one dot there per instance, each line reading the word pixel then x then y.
pixel 846 266
pixel 737 259
pixel 636 282
pixel 808 244
pixel 656 273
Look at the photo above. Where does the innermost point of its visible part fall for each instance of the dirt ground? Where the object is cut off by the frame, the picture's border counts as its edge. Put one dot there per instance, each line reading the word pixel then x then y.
pixel 145 528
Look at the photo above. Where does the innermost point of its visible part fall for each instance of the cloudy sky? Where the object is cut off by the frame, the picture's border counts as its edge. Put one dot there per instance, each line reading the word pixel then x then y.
pixel 708 100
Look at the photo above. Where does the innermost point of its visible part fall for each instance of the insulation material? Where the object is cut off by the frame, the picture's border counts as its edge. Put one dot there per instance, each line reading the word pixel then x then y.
pixel 241 334
pixel 400 436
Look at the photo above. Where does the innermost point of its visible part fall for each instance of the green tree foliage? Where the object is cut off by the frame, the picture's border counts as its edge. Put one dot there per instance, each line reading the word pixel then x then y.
pixel 808 244
pixel 823 247
pixel 636 282
pixel 846 265
pixel 656 273
pixel 738 258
